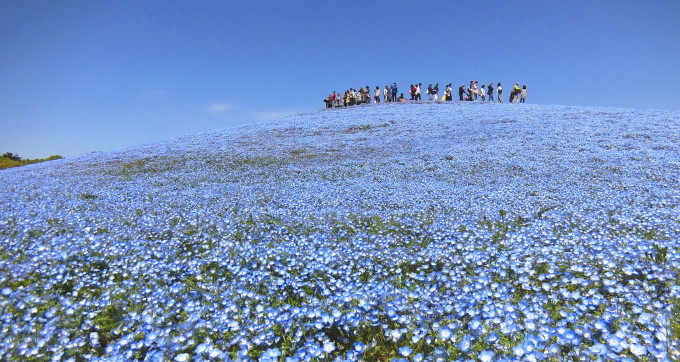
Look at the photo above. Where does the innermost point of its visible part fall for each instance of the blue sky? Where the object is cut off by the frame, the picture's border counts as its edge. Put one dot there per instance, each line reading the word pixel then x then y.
pixel 83 76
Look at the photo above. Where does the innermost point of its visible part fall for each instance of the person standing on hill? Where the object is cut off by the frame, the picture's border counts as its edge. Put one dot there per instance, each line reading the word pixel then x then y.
pixel 500 93
pixel 490 92
pixel 482 93
pixel 514 95
pixel 387 94
pixel 523 94
pixel 461 91
pixel 377 94
pixel 394 90
pixel 418 91
pixel 447 92
pixel 435 91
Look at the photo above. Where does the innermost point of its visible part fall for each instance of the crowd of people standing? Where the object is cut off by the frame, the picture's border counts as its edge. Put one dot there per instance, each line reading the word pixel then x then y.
pixel 472 92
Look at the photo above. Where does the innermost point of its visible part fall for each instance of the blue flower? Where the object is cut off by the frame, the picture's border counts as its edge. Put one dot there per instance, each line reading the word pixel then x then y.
pixel 638 350
pixel 445 333
pixel 492 338
pixel 486 356
pixel 272 353
pixel 465 343
pixel 518 350
pixel 405 351
pixel 328 347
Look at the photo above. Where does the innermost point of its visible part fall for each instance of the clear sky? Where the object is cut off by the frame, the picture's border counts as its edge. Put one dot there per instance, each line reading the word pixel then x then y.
pixel 81 76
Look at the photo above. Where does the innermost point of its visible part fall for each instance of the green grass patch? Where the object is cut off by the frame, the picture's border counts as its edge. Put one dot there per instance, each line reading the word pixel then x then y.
pixel 15 161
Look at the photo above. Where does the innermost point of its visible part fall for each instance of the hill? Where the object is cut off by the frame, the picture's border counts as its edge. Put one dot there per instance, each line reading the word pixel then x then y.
pixel 456 231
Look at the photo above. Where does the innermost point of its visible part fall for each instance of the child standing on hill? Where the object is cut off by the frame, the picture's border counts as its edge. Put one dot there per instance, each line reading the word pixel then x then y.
pixel 523 94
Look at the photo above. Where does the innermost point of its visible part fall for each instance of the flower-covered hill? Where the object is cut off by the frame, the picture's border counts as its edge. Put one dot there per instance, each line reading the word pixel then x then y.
pixel 409 231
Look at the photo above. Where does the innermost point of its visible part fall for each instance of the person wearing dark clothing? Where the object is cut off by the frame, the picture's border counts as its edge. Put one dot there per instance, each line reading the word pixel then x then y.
pixel 490 92
pixel 461 91
pixel 394 92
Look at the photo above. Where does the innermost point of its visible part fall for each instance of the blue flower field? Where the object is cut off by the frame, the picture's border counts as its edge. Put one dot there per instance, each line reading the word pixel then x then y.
pixel 407 232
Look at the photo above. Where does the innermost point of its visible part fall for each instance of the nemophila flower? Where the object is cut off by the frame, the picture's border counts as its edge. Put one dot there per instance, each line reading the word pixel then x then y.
pixel 465 343
pixel 615 343
pixel 553 350
pixel 445 333
pixel 518 350
pixel 598 349
pixel 215 353
pixel 637 349
pixel 440 353
pixel 272 353
pixel 405 351
pixel 492 338
pixel 182 357
pixel 486 356
pixel 328 347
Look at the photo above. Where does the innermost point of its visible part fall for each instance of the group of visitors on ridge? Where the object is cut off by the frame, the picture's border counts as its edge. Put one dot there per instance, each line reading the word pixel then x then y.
pixel 472 92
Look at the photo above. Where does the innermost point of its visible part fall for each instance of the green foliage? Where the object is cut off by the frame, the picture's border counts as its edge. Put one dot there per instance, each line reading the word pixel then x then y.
pixel 364 127
pixel 106 321
pixel 661 254
pixel 541 268
pixel 12 156
pixel 9 160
